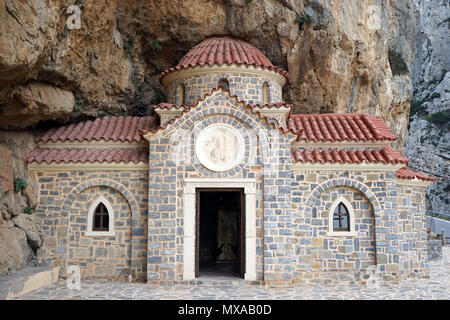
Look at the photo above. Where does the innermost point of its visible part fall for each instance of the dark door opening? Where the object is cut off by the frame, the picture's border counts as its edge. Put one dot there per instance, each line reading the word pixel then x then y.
pixel 220 233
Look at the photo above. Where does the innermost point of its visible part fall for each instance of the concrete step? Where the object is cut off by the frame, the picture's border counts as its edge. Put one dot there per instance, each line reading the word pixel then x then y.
pixel 26 280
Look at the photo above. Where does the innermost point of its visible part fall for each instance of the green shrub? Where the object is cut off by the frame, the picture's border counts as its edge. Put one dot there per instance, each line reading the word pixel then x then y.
pixel 158 97
pixel 435 95
pixel 156 44
pixel 78 104
pixel 302 19
pixel 247 2
pixel 19 184
pixel 417 107
pixel 129 44
pixel 439 118
pixel 398 65
pixel 28 210
pixel 447 188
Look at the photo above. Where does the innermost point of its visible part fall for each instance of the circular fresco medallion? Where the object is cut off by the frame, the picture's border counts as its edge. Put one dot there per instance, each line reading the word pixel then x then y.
pixel 219 147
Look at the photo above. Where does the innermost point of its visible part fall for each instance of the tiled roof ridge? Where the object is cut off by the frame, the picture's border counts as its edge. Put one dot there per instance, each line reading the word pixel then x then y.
pixel 272 105
pixel 235 97
pixel 407 174
pixel 386 155
pixel 109 128
pixel 165 105
pixel 224 50
pixel 340 127
pixel 87 155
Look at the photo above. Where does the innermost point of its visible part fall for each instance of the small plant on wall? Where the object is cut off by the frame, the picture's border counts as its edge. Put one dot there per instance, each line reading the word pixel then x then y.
pixel 397 63
pixel 28 210
pixel 129 44
pixel 19 184
pixel 156 45
pixel 302 19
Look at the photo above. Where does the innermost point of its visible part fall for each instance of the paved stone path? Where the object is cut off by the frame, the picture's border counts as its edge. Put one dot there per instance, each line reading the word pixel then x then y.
pixel 437 287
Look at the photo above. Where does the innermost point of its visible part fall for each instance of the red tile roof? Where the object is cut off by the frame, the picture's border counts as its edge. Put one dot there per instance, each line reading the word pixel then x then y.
pixel 88 155
pixel 124 129
pixel 339 127
pixel 164 105
pixel 224 50
pixel 405 173
pixel 386 155
pixel 273 105
pixel 187 109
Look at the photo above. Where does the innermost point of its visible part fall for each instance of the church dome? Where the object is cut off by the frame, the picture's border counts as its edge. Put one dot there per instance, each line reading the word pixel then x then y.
pixel 224 51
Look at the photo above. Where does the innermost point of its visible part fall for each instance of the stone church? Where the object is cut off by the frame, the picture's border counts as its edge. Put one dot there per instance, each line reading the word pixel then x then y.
pixel 228 183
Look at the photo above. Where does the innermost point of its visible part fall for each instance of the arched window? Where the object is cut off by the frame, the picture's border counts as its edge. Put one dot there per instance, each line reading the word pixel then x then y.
pixel 101 218
pixel 224 84
pixel 100 221
pixel 274 121
pixel 341 218
pixel 181 94
pixel 265 93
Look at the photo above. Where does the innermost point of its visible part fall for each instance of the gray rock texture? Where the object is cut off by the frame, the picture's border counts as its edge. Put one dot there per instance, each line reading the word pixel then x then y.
pixel 428 143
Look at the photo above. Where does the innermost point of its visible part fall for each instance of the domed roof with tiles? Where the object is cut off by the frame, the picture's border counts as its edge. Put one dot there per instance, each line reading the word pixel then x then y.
pixel 224 50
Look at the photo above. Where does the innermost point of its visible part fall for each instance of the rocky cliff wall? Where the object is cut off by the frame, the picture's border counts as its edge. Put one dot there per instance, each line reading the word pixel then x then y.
pixel 344 56
pixel 428 143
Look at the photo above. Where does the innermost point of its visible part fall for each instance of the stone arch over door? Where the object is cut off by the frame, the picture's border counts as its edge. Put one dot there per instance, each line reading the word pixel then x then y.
pixel 123 191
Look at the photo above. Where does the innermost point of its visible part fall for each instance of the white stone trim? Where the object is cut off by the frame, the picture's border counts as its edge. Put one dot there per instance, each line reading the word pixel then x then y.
pixel 165 115
pixel 340 144
pixel 97 166
pixel 346 166
pixel 89 231
pixel 351 216
pixel 190 185
pixel 199 70
pixel 413 182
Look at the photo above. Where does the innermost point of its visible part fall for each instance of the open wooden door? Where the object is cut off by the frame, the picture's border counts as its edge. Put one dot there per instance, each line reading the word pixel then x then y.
pixel 241 236
pixel 197 233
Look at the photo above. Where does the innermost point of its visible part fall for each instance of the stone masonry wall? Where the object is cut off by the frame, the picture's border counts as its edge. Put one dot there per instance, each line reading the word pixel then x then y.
pixel 65 198
pixel 100 256
pixel 172 160
pixel 312 194
pixel 246 87
pixel 411 204
pixel 330 257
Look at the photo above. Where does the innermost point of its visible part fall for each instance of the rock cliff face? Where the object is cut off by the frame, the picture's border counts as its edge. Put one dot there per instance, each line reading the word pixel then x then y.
pixel 344 56
pixel 428 142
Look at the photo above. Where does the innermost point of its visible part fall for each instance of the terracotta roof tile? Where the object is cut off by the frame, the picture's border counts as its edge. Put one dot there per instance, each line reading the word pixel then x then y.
pixel 339 127
pixel 88 155
pixel 272 105
pixel 405 173
pixel 169 106
pixel 224 50
pixel 124 129
pixel 386 155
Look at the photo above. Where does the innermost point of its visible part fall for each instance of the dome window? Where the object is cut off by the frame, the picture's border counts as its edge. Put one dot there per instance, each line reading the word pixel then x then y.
pixel 265 93
pixel 224 84
pixel 181 94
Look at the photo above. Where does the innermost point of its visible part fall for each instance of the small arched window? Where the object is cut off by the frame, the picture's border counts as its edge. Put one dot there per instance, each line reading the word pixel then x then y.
pixel 100 221
pixel 224 84
pixel 265 93
pixel 181 94
pixel 101 218
pixel 341 218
